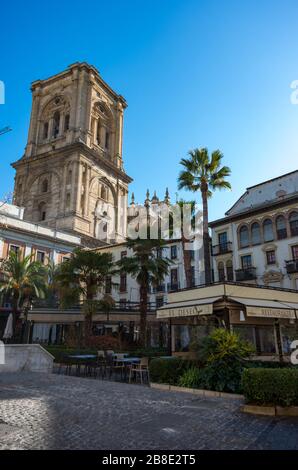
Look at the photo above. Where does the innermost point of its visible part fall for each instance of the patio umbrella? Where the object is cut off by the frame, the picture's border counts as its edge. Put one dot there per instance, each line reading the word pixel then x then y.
pixel 8 329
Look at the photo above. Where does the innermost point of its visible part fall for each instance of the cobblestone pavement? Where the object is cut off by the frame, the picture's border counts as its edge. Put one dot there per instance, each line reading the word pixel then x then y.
pixel 40 411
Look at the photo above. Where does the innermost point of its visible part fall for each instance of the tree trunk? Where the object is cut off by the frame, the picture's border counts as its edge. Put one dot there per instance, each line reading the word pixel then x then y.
pixel 14 311
pixel 206 246
pixel 187 263
pixel 143 315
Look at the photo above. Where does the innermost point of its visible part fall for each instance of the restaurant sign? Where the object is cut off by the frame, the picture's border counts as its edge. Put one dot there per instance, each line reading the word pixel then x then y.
pixel 270 312
pixel 192 310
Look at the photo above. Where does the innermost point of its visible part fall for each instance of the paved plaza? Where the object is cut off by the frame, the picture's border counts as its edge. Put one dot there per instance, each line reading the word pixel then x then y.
pixel 40 411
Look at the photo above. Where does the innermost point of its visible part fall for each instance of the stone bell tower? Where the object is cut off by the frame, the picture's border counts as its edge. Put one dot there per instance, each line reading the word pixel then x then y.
pixel 71 176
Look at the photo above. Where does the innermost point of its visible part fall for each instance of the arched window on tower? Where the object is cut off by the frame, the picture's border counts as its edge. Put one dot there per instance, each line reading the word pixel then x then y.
pixel 42 211
pixel 56 124
pixel 44 186
pixel 107 140
pixel 98 129
pixel 66 122
pixel 104 192
pixel 45 130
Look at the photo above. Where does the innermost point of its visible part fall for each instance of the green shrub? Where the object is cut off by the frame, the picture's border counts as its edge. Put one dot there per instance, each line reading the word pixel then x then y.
pixel 190 378
pixel 168 371
pixel 271 386
pixel 223 354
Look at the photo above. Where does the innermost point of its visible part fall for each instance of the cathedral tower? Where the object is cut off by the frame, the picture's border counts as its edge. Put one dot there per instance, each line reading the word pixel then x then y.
pixel 71 176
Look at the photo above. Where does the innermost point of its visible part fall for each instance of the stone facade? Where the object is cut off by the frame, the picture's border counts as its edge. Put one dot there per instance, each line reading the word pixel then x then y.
pixel 71 176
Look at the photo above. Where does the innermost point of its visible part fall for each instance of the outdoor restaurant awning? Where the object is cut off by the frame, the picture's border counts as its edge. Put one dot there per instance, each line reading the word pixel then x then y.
pixel 187 308
pixel 266 308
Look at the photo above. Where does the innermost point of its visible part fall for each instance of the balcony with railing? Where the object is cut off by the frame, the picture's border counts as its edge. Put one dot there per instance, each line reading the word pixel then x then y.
pixel 292 266
pixel 222 248
pixel 246 274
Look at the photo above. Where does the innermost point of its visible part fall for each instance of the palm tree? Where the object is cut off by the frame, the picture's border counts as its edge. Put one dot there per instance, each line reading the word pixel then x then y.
pixel 23 280
pixel 82 277
pixel 204 173
pixel 184 240
pixel 147 268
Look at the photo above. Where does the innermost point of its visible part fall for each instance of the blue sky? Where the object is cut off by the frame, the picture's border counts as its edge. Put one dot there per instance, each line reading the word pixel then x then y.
pixel 194 73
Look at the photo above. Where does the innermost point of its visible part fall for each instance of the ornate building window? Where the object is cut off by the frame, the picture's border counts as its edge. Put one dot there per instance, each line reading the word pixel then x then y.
pixel 45 186
pixel 42 211
pixel 66 122
pixel 243 236
pixel 294 223
pixel 268 230
pixel 107 140
pixel 45 130
pixel 281 227
pixel 255 233
pixel 56 124
pixel 221 271
pixel 104 192
pixel 270 257
pixel 230 272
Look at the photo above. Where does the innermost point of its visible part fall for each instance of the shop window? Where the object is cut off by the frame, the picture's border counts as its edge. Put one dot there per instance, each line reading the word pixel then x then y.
pixel 281 227
pixel 270 257
pixel 268 230
pixel 288 335
pixel 244 236
pixel 247 333
pixel 294 223
pixel 266 340
pixel 255 233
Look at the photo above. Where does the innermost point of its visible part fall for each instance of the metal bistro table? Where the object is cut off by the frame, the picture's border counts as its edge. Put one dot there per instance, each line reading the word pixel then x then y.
pixel 127 361
pixel 82 360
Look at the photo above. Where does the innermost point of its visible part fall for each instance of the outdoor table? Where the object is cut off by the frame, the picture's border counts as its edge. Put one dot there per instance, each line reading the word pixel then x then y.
pixel 128 360
pixel 82 356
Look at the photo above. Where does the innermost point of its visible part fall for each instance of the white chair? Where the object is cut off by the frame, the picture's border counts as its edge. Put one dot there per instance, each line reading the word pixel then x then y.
pixel 141 368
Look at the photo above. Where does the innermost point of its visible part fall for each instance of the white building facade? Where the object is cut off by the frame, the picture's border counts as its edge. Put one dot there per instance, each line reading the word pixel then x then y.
pixel 257 241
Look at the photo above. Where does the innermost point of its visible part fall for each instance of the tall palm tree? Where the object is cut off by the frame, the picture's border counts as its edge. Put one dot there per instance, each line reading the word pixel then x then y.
pixel 23 280
pixel 82 277
pixel 187 253
pixel 147 268
pixel 205 174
